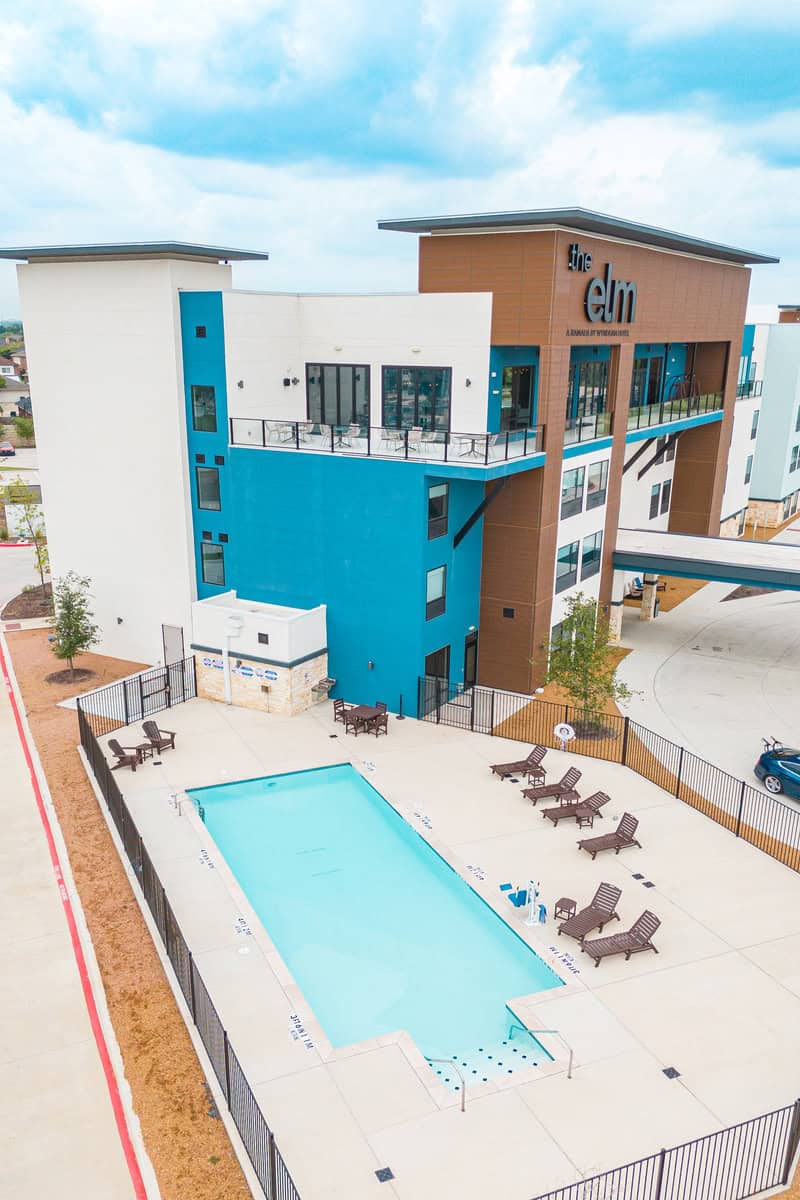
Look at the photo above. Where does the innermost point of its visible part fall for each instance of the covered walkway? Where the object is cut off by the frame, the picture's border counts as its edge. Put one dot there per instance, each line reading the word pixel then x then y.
pixel 729 560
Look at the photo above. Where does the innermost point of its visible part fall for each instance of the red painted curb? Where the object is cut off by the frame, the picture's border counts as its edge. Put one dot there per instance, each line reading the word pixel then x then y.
pixel 14 545
pixel 77 950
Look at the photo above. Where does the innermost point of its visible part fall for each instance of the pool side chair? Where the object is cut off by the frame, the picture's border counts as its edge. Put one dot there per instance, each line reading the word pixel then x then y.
pixel 339 711
pixel 598 912
pixel 622 837
pixel 563 790
pixel 584 811
pixel 530 766
pixel 125 756
pixel 159 739
pixel 639 937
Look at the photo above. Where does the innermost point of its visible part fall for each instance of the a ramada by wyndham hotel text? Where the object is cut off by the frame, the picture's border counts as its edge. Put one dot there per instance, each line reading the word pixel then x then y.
pixel 431 474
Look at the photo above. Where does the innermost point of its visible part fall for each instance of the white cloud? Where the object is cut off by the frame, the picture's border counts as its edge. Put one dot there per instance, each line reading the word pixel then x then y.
pixel 687 18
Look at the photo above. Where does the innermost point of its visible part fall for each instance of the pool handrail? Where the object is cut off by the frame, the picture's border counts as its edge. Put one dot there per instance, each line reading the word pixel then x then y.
pixel 534 1033
pixel 449 1062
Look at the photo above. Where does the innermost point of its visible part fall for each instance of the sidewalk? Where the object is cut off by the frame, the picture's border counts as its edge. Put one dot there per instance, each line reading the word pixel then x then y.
pixel 59 1134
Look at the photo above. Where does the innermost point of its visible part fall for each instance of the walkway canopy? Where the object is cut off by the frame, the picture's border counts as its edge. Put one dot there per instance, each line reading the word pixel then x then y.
pixel 729 560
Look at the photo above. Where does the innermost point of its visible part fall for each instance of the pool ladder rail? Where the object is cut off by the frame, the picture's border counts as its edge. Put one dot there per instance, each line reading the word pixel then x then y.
pixel 176 802
pixel 449 1063
pixel 533 1033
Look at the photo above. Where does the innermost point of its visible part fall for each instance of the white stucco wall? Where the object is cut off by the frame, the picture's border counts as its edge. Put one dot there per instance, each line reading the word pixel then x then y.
pixel 270 337
pixel 125 521
pixel 294 633
pixel 780 404
pixel 742 446
pixel 577 527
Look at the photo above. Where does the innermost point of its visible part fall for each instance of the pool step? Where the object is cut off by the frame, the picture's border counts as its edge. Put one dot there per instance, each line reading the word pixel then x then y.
pixel 489 1062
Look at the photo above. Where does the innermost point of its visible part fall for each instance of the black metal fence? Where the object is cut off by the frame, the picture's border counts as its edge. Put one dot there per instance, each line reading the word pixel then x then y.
pixel 762 820
pixel 139 697
pixel 256 1135
pixel 729 1165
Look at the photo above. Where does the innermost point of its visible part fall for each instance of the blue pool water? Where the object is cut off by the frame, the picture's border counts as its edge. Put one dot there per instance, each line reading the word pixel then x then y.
pixel 378 931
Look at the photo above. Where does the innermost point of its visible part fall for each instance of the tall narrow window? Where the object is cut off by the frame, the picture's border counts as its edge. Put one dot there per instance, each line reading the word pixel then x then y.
pixel 655 492
pixel 567 566
pixel 793 459
pixel 435 587
pixel 204 408
pixel 597 484
pixel 208 488
pixel 748 468
pixel 212 558
pixel 416 398
pixel 337 394
pixel 666 491
pixel 592 553
pixel 572 492
pixel 438 497
pixel 754 426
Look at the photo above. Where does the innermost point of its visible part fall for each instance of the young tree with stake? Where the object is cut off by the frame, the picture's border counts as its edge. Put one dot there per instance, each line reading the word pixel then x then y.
pixel 75 630
pixel 582 662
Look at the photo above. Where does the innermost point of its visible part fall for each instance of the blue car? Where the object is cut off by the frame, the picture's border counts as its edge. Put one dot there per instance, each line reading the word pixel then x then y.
pixel 778 768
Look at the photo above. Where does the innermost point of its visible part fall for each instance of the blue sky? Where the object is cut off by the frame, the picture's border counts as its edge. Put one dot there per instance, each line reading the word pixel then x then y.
pixel 295 126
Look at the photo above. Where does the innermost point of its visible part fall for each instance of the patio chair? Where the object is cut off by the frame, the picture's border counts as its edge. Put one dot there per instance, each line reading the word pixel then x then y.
pixel 339 711
pixel 126 756
pixel 564 789
pixel 598 912
pixel 381 723
pixel 392 439
pixel 381 707
pixel 159 739
pixel 620 839
pixel 582 811
pixel 530 766
pixel 415 439
pixel 639 937
pixel 351 722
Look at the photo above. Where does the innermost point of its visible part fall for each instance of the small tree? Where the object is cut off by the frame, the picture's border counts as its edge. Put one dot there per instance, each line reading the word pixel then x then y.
pixel 20 494
pixel 75 630
pixel 24 427
pixel 581 661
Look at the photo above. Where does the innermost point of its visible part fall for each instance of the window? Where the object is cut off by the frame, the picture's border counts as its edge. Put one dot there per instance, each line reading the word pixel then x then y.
pixel 416 398
pixel 793 460
pixel 748 468
pixel 223 537
pixel 208 488
pixel 567 566
pixel 556 635
pixel 219 459
pixel 742 522
pixel 213 563
pixel 438 498
pixel 207 535
pixel 572 491
pixel 200 331
pixel 666 490
pixel 263 639
pixel 754 426
pixel 588 383
pixel 666 453
pixel 655 492
pixel 204 409
pixel 337 395
pixel 435 586
pixel 597 484
pixel 797 422
pixel 590 559
pixel 516 397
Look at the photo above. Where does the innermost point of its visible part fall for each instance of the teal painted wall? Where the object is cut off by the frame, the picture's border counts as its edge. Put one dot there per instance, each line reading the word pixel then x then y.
pixel 509 356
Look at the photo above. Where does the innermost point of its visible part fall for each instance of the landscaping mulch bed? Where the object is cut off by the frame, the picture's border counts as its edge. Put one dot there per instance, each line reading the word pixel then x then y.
pixel 188 1146
pixel 29 604
pixel 74 678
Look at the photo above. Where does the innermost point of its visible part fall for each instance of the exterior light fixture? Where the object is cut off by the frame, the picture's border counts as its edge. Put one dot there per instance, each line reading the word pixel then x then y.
pixel 295 381
pixel 370 665
pixel 415 349
pixel 240 384
pixel 467 383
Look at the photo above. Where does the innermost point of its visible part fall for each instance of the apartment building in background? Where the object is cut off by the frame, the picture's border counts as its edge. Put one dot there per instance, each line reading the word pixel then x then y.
pixel 775 482
pixel 440 470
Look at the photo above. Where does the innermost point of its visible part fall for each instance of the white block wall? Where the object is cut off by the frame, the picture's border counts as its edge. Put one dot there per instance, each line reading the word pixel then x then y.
pixel 577 527
pixel 737 492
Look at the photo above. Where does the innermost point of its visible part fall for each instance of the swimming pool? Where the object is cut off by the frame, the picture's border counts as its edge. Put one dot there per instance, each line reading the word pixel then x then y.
pixel 378 931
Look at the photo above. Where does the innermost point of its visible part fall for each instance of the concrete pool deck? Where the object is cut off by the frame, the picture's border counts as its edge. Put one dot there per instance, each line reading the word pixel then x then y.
pixel 720 1002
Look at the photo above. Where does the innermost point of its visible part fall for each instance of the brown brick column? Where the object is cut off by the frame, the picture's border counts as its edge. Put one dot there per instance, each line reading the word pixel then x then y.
pixel 619 395
pixel 701 460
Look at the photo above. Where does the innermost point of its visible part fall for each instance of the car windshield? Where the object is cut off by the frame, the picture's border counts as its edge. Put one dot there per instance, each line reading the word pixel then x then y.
pixel 786 753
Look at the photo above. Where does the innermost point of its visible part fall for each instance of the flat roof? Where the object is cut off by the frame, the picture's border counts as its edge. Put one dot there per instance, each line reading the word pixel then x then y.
pixel 582 220
pixel 133 250
pixel 693 556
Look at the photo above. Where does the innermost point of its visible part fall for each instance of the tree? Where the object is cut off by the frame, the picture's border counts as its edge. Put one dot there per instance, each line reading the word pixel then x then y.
pixel 24 427
pixel 75 630
pixel 20 494
pixel 581 661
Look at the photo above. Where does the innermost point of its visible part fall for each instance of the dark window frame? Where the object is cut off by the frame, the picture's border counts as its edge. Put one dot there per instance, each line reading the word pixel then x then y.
pixel 330 408
pixel 417 422
pixel 436 606
pixel 199 410
pixel 572 498
pixel 655 501
pixel 437 524
pixel 510 414
pixel 754 423
pixel 200 331
pixel 218 556
pixel 586 397
pixel 207 507
pixel 748 468
pixel 568 578
pixel 594 499
pixel 666 496
pixel 263 639
pixel 595 562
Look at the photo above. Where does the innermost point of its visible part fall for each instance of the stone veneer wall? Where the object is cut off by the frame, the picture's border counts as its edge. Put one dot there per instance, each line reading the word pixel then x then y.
pixel 730 527
pixel 289 687
pixel 768 513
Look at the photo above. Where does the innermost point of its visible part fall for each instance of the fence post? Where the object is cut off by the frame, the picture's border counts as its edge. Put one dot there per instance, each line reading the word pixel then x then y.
pixel 191 987
pixel 794 1137
pixel 491 717
pixel 194 673
pixel 141 695
pixel 227 1069
pixel 125 701
pixel 272 1167
pixel 660 1175
pixel 741 806
pixel 168 687
pixel 680 773
pixel 626 726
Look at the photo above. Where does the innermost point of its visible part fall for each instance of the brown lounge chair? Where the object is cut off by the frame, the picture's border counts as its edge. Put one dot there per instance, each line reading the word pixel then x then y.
pixel 638 937
pixel 159 739
pixel 530 766
pixel 623 836
pixel 564 789
pixel 126 756
pixel 584 811
pixel 601 909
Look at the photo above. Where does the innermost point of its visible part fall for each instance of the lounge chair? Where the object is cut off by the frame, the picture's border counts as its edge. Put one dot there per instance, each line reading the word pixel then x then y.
pixel 622 837
pixel 601 909
pixel 159 739
pixel 638 937
pixel 564 789
pixel 530 766
pixel 584 811
pixel 126 756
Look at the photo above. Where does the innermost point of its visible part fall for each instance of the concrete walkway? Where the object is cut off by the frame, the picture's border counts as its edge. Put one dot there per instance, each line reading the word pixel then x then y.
pixel 716 675
pixel 58 1132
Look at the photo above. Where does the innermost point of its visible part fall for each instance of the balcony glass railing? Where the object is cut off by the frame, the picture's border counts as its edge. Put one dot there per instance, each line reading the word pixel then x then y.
pixel 673 410
pixel 417 445
pixel 587 429
pixel 748 389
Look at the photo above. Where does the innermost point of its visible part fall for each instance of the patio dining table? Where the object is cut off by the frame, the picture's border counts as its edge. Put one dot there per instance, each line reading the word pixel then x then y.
pixel 363 714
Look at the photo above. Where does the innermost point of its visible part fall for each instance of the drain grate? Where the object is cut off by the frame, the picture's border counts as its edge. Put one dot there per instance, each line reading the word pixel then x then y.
pixel 671 1073
pixel 384 1174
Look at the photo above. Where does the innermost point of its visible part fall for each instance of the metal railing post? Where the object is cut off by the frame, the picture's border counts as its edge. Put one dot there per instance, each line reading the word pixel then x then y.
pixel 191 987
pixel 491 718
pixel 794 1138
pixel 660 1175
pixel 263 435
pixel 680 774
pixel 297 435
pixel 227 1069
pixel 333 447
pixel 369 440
pixel 625 728
pixel 272 1167
pixel 741 806
pixel 405 441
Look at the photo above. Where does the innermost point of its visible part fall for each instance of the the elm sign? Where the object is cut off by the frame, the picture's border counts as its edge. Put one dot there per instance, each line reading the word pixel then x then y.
pixel 607 299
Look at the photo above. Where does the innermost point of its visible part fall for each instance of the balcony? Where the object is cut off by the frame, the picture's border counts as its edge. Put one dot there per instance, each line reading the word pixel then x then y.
pixel 749 389
pixel 587 429
pixel 413 445
pixel 677 409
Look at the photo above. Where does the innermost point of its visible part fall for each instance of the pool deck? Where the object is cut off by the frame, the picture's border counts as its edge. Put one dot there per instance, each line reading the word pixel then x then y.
pixel 720 1002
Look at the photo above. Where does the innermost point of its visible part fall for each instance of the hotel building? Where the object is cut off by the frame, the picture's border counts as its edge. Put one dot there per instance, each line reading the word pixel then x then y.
pixel 435 472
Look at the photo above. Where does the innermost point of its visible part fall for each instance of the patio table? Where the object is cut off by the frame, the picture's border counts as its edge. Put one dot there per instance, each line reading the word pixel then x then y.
pixel 363 714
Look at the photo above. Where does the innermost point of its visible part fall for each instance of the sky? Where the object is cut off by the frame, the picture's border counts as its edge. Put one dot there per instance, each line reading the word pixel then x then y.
pixel 293 126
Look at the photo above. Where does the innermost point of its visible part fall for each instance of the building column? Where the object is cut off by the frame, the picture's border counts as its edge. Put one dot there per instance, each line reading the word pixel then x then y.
pixel 615 607
pixel 649 598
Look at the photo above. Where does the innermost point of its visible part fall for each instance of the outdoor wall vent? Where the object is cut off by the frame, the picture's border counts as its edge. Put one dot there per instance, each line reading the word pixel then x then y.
pixel 265 688
pixel 264 639
pixel 509 612
pixel 200 331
